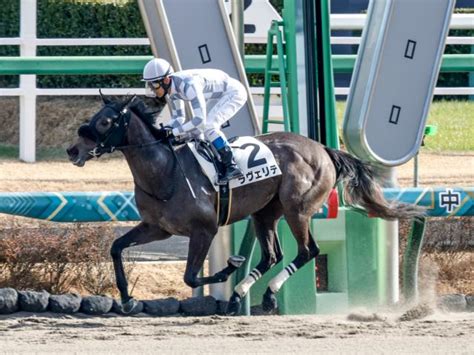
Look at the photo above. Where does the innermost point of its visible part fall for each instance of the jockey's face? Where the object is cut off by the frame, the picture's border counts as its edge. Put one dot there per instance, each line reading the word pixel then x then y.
pixel 159 90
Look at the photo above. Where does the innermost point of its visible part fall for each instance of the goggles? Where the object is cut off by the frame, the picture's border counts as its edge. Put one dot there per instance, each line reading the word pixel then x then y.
pixel 154 84
pixel 151 87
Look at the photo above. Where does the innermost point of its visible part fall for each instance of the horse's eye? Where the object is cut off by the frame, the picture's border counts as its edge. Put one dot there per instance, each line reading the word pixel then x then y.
pixel 106 122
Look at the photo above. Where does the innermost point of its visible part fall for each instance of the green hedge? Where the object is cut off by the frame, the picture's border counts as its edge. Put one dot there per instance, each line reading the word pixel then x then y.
pixel 456 79
pixel 9 27
pixel 66 19
pixel 59 19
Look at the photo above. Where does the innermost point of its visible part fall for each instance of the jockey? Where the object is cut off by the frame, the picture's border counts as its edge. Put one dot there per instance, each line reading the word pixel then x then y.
pixel 214 96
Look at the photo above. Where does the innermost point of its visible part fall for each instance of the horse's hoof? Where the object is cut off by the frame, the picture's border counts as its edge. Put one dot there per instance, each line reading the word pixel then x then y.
pixel 129 306
pixel 236 261
pixel 269 303
pixel 233 306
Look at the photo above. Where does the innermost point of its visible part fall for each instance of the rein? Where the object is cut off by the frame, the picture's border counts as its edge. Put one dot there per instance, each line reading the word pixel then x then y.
pixel 117 133
pixel 123 120
pixel 130 146
pixel 98 151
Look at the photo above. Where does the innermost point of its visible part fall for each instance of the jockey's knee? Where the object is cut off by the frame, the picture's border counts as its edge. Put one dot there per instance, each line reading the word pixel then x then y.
pixel 238 91
pixel 240 97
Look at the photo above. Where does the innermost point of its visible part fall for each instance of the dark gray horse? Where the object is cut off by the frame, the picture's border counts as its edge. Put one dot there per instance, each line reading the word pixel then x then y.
pixel 167 207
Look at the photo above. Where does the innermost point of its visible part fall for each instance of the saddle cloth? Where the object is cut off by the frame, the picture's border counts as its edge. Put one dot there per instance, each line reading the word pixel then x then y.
pixel 253 157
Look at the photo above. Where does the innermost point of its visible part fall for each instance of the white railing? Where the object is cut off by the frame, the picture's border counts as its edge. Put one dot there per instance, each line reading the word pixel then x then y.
pixel 357 21
pixel 28 43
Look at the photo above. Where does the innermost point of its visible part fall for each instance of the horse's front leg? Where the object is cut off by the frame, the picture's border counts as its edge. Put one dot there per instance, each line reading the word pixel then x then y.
pixel 199 245
pixel 141 234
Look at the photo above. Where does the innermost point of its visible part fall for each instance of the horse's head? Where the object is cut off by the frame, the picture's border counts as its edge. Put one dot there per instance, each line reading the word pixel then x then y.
pixel 105 131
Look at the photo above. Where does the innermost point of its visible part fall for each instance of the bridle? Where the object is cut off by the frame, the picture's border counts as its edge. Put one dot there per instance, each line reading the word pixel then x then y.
pixel 112 139
pixel 115 135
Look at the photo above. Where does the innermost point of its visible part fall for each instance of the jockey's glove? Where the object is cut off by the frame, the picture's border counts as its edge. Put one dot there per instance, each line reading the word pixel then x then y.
pixel 165 132
pixel 176 132
pixel 168 132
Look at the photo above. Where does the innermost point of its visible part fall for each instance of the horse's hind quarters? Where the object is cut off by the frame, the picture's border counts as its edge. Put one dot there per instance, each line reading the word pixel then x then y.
pixel 236 261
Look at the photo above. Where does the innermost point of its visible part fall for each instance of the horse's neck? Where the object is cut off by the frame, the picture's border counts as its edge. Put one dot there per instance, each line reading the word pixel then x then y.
pixel 152 164
pixel 138 132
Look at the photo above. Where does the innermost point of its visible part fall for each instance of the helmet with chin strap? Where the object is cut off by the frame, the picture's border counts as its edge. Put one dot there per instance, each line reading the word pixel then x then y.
pixel 155 71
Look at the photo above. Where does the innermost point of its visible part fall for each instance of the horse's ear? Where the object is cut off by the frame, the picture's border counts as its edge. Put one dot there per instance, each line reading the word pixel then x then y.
pixel 128 101
pixel 104 99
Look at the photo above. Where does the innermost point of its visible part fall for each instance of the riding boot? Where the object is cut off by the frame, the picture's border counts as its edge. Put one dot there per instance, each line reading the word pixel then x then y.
pixel 232 170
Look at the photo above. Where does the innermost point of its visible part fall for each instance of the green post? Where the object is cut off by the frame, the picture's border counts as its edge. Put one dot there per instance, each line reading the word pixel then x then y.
pixel 332 137
pixel 289 19
pixel 275 33
pixel 471 77
pixel 267 83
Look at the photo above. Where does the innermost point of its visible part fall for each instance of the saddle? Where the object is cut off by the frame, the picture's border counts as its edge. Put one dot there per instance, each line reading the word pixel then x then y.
pixel 205 150
pixel 208 153
pixel 254 158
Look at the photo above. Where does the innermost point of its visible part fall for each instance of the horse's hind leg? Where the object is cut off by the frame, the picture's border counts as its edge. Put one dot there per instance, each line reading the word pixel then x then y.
pixel 266 223
pixel 141 234
pixel 307 250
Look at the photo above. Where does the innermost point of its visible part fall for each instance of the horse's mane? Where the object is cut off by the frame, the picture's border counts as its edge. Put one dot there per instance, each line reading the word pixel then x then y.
pixel 147 113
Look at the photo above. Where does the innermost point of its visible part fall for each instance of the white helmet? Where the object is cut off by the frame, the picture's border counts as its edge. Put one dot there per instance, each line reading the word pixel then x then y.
pixel 156 69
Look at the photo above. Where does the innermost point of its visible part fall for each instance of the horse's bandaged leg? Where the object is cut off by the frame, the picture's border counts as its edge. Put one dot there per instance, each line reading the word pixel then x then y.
pixel 244 286
pixel 276 283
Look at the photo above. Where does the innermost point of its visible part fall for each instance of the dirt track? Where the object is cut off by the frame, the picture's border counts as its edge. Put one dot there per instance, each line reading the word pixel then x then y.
pixel 438 333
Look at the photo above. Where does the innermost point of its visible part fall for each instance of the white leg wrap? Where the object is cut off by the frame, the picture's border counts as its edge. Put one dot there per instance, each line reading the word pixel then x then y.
pixel 244 286
pixel 276 283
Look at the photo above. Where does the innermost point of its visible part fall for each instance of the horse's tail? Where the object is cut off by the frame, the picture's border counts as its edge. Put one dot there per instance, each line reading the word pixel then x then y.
pixel 361 188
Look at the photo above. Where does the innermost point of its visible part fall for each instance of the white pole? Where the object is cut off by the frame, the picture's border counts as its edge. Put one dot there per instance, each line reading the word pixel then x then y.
pixel 389 177
pixel 238 24
pixel 28 83
pixel 218 254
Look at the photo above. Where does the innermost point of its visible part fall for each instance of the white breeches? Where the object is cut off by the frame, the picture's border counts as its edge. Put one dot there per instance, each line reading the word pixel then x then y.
pixel 224 108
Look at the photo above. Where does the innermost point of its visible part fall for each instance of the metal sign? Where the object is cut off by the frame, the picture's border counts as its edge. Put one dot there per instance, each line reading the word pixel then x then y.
pixel 394 78
pixel 258 17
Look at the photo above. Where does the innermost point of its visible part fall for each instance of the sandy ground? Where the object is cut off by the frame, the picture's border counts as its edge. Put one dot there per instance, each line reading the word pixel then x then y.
pixel 26 333
pixel 436 334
